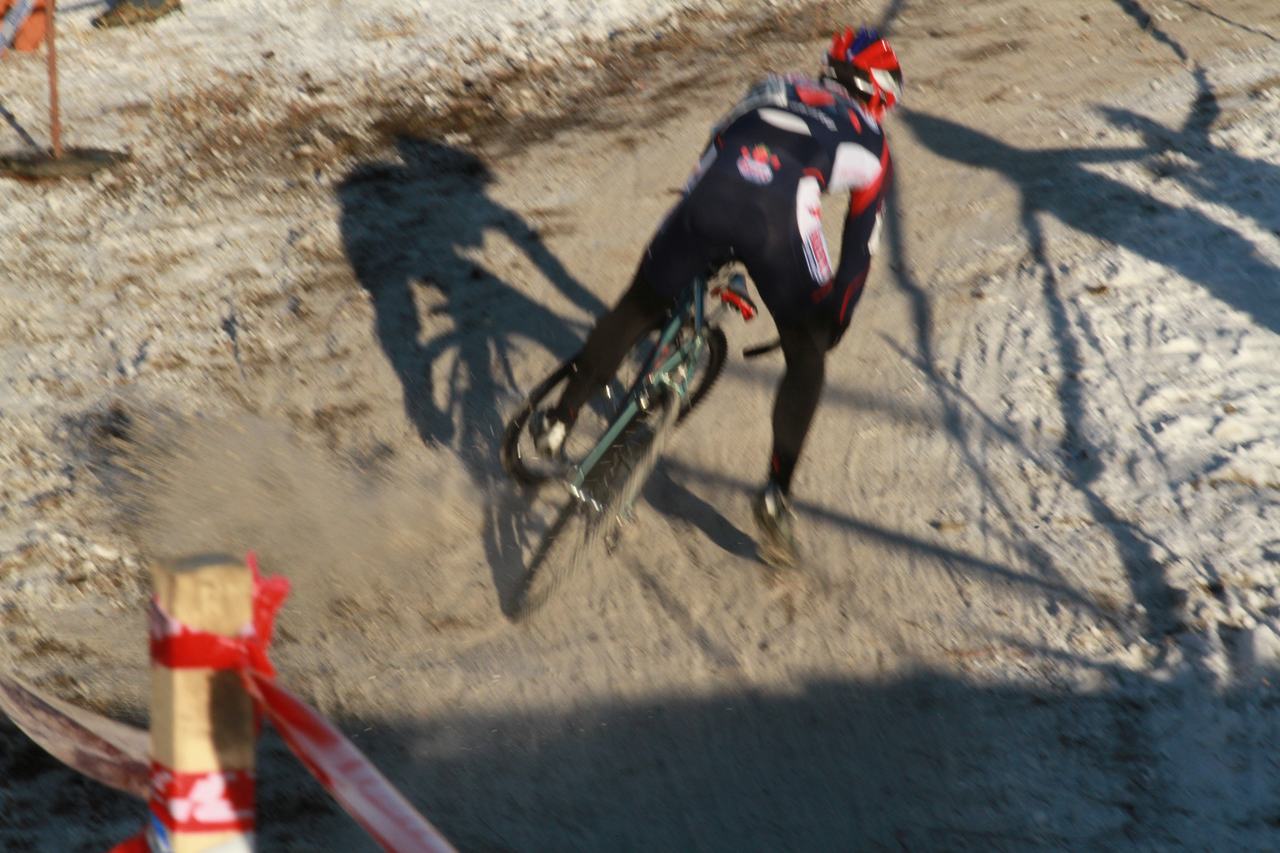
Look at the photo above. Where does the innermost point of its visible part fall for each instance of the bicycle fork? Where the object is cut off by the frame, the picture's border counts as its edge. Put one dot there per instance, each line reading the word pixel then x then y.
pixel 670 372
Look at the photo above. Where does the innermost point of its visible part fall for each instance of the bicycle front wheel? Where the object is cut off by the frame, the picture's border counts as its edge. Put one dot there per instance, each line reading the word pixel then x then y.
pixel 706 370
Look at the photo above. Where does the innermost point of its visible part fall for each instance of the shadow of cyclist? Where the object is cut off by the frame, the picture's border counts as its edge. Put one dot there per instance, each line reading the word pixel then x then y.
pixel 1214 173
pixel 409 229
pixel 412 231
pixel 1057 182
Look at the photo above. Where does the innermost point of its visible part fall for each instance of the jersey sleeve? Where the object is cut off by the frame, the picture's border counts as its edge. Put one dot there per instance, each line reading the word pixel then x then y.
pixel 861 233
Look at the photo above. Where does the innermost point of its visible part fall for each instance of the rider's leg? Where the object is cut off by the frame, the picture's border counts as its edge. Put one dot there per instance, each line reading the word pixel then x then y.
pixel 805 347
pixel 787 278
pixel 638 311
pixel 677 253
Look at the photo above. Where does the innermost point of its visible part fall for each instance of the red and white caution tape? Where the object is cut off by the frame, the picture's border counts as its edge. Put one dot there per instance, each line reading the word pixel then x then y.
pixel 220 801
pixel 345 773
pixel 223 800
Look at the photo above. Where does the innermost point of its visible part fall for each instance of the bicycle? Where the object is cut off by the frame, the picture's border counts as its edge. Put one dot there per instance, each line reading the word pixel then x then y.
pixel 621 432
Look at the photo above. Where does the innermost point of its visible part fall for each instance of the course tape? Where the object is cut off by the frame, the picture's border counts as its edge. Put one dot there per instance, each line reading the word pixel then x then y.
pixel 176 646
pixel 202 802
pixel 223 801
pixel 345 773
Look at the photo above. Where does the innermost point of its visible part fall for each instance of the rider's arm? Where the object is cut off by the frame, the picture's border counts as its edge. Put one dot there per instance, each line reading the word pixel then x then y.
pixel 867 186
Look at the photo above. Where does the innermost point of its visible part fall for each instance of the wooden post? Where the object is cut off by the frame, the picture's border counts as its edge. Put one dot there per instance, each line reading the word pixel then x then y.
pixel 55 118
pixel 202 720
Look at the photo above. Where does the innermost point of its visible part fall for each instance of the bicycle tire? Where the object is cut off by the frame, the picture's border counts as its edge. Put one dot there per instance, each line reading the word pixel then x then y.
pixel 548 569
pixel 577 532
pixel 512 460
pixel 628 471
pixel 718 350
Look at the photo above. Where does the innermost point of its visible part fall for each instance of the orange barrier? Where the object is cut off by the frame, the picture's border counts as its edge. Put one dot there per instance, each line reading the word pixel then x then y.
pixel 32 31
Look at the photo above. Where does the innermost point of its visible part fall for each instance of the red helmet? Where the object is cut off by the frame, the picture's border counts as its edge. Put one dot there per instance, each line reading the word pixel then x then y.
pixel 866 65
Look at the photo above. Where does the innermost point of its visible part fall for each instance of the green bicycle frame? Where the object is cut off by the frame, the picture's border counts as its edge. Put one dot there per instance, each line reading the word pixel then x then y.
pixel 652 377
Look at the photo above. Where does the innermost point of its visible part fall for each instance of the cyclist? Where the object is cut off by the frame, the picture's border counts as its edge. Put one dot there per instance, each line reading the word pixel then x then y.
pixel 755 197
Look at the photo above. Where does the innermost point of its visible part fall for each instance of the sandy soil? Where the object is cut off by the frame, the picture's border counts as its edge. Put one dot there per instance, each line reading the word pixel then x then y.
pixel 298 329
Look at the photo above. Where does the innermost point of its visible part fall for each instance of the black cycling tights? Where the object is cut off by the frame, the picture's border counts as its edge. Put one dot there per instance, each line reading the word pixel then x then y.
pixel 640 309
pixel 805 348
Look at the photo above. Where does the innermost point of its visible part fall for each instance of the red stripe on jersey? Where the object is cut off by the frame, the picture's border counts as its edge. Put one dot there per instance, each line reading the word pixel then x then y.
pixel 816 173
pixel 812 97
pixel 861 200
pixel 853 119
pixel 854 287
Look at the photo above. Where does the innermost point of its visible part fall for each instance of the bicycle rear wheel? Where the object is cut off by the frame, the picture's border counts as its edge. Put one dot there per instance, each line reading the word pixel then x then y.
pixel 707 370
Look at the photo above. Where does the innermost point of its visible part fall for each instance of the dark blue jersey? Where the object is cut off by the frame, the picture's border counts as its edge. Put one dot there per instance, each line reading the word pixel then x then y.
pixel 794 138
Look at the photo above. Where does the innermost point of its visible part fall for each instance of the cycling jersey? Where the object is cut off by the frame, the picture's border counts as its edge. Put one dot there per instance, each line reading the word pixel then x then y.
pixel 756 195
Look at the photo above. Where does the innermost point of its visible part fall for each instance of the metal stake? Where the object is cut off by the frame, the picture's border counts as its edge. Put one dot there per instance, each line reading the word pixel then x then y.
pixel 55 123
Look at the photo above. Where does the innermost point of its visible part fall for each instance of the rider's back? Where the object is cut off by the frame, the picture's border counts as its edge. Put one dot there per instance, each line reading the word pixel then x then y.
pixel 791 126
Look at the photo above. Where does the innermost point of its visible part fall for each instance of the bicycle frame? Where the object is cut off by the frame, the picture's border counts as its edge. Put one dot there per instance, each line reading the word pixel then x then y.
pixel 653 376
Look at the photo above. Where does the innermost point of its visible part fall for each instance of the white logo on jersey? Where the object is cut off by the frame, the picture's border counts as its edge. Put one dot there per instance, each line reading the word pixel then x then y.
pixel 809 221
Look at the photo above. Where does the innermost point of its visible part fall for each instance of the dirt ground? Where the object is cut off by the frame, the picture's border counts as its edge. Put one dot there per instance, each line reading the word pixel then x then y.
pixel 310 353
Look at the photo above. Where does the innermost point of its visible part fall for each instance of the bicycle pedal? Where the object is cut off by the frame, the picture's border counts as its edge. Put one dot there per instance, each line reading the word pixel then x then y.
pixel 619 532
